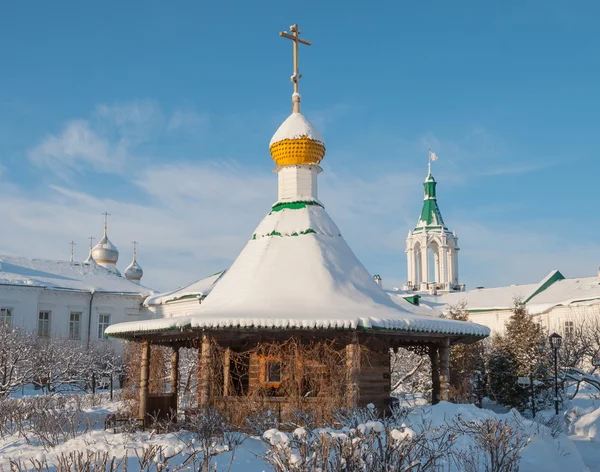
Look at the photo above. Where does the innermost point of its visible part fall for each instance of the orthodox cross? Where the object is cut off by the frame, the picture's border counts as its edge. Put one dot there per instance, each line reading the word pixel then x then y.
pixel 72 244
pixel 106 215
pixel 135 243
pixel 295 37
pixel 91 238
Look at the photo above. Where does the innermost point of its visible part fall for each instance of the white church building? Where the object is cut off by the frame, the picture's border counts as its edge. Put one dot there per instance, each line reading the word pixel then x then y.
pixel 70 299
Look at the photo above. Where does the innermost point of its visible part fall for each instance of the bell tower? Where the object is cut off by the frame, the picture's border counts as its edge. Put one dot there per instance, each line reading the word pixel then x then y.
pixel 431 248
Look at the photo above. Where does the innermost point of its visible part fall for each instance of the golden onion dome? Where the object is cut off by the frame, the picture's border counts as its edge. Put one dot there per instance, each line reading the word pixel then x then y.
pixel 297 142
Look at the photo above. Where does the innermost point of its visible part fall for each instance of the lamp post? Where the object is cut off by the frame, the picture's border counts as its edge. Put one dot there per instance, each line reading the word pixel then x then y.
pixel 555 342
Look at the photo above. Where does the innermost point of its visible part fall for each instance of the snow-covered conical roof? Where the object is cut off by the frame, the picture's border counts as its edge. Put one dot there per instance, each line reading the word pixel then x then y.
pixel 297 271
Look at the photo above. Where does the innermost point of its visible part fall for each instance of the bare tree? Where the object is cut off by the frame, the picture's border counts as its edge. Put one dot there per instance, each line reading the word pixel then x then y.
pixel 16 368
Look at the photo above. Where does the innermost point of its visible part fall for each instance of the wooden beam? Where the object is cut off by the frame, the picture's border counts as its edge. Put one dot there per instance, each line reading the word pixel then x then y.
pixel 144 381
pixel 445 371
pixel 352 371
pixel 204 355
pixel 175 375
pixel 435 374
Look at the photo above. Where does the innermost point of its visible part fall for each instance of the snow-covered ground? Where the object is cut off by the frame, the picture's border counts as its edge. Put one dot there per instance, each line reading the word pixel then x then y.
pixel 541 450
pixel 583 423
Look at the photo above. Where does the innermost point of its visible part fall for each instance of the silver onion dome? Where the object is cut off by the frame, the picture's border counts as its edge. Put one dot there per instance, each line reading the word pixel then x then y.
pixel 134 271
pixel 105 252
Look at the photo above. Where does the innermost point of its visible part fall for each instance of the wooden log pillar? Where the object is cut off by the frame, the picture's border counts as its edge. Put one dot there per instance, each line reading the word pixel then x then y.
pixel 435 374
pixel 445 371
pixel 204 355
pixel 144 381
pixel 352 371
pixel 175 375
pixel 226 372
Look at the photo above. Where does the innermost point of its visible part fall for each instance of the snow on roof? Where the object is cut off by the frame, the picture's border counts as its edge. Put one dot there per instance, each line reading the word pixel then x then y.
pixel 498 298
pixel 200 288
pixel 299 272
pixel 566 292
pixel 294 127
pixel 64 275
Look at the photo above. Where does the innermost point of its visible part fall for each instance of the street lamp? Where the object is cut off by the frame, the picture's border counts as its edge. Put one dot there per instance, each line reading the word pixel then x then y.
pixel 555 342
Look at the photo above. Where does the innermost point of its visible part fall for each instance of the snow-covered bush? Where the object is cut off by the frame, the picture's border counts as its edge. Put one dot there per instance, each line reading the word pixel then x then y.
pixel 497 445
pixel 372 446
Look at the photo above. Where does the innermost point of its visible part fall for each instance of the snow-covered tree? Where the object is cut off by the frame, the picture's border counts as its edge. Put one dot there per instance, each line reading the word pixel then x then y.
pixel 16 368
pixel 466 362
pixel 411 373
pixel 524 348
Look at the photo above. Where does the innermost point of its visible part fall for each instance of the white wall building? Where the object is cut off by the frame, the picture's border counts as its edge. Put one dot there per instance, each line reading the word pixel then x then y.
pixel 69 299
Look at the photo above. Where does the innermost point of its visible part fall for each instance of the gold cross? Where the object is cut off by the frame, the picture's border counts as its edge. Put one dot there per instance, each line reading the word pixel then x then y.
pixel 106 215
pixel 297 76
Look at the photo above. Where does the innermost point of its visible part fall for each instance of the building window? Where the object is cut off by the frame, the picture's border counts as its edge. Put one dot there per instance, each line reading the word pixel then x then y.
pixel 44 323
pixel 75 325
pixel 273 371
pixel 5 317
pixel 103 323
pixel 569 328
pixel 270 371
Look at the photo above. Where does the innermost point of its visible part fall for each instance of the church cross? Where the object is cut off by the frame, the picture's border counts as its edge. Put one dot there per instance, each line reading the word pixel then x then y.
pixel 135 243
pixel 106 215
pixel 295 37
pixel 91 238
pixel 72 244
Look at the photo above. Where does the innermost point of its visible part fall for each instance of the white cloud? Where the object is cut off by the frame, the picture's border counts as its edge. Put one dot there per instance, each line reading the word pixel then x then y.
pixel 188 120
pixel 75 147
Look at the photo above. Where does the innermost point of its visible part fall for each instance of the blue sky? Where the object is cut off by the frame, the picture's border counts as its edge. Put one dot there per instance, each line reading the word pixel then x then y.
pixel 161 113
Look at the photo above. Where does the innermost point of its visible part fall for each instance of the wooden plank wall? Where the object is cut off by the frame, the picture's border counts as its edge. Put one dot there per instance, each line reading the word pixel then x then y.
pixel 374 379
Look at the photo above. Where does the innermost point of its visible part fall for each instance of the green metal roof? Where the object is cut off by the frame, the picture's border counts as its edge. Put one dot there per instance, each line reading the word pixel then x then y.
pixel 430 214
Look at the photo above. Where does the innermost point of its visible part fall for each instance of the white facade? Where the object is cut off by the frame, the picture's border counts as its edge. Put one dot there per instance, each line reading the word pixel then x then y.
pixel 71 315
pixel 71 300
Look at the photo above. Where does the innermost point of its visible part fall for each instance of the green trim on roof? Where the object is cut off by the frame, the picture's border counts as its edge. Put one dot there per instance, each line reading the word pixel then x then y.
pixel 277 233
pixel 294 205
pixel 554 278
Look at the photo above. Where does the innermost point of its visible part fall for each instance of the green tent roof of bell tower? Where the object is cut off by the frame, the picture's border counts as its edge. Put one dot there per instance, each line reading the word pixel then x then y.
pixel 431 217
